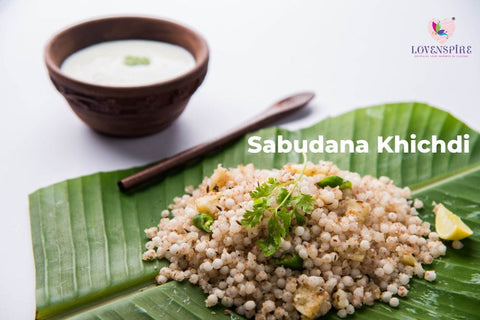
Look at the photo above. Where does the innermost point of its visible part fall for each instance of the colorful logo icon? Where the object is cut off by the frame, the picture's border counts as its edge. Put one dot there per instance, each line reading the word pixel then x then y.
pixel 441 30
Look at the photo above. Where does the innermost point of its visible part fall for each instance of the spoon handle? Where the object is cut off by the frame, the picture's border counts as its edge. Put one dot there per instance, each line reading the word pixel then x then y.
pixel 268 116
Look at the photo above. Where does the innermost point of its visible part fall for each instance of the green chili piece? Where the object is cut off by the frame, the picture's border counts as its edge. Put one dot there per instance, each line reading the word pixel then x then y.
pixel 203 222
pixel 346 185
pixel 334 181
pixel 290 260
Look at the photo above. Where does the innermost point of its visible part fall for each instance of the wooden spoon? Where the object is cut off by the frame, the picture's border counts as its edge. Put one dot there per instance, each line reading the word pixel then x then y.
pixel 273 113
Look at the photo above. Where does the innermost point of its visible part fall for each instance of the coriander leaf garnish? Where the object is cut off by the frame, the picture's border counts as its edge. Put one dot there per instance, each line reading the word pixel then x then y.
pixel 252 218
pixel 305 202
pixel 136 60
pixel 301 220
pixel 265 189
pixel 290 260
pixel 283 197
pixel 286 218
pixel 269 245
pixel 280 204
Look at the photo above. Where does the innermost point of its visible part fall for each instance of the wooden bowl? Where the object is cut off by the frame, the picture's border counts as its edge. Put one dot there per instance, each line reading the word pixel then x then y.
pixel 126 111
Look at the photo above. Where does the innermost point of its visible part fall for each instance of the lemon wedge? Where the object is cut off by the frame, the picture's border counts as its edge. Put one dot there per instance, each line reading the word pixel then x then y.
pixel 448 225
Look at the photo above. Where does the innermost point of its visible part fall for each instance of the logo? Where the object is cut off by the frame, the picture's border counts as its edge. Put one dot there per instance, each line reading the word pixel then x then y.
pixel 441 30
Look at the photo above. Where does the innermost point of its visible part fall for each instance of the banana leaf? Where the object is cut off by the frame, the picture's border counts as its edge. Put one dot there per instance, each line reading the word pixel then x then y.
pixel 88 237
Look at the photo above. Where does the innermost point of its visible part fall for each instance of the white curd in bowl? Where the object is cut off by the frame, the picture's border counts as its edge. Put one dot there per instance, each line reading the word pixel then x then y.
pixel 125 63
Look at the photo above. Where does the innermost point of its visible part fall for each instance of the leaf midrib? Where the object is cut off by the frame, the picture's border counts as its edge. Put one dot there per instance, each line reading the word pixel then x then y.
pixel 443 178
pixel 106 299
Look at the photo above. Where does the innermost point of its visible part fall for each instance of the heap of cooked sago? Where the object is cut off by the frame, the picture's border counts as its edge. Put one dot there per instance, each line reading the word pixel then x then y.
pixel 359 242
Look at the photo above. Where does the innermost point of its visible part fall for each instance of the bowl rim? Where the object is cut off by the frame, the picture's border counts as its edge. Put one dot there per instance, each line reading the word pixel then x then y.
pixel 56 70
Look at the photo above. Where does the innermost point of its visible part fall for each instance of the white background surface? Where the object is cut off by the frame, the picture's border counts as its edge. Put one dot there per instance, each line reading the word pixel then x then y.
pixel 350 54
